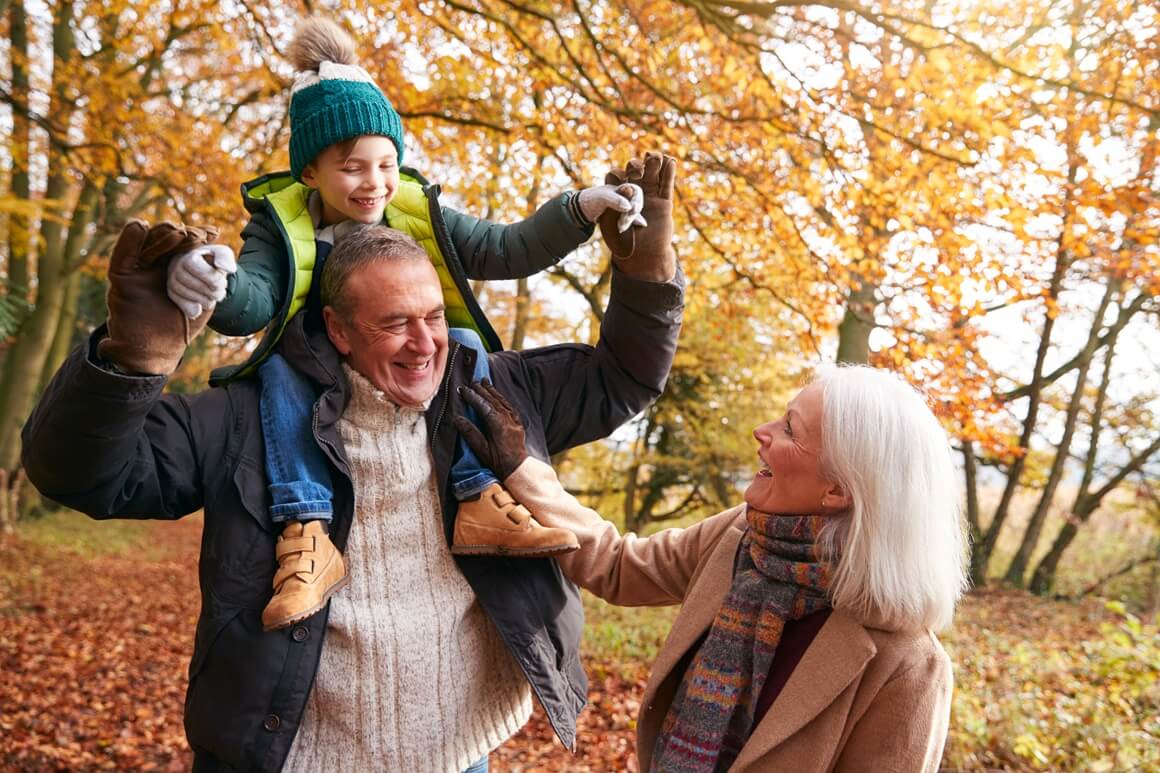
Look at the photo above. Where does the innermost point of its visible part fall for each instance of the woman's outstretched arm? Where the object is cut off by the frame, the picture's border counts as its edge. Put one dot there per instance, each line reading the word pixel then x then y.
pixel 622 569
pixel 625 570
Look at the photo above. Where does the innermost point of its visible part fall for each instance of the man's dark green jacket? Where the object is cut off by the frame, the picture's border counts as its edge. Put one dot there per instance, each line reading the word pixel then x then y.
pixel 114 446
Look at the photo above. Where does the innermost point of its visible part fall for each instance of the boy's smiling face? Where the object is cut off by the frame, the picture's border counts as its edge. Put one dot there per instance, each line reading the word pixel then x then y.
pixel 355 179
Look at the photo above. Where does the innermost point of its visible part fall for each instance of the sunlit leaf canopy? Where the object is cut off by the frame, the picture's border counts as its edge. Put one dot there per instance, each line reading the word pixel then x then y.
pixel 913 183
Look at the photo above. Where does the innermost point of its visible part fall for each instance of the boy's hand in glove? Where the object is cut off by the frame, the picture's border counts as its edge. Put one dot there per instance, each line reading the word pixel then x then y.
pixel 197 278
pixel 625 199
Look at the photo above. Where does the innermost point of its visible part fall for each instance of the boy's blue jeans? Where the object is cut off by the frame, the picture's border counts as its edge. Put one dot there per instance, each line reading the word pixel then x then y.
pixel 468 475
pixel 300 483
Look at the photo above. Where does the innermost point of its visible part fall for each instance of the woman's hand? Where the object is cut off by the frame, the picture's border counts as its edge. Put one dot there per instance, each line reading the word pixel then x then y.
pixel 502 450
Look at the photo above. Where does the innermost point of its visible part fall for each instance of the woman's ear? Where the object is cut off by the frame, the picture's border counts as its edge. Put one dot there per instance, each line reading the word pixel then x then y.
pixel 836 500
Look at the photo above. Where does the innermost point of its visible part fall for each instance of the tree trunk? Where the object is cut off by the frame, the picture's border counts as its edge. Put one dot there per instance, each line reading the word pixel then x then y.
pixel 66 326
pixel 15 289
pixel 25 366
pixel 520 320
pixel 19 238
pixel 1043 578
pixel 1087 501
pixel 630 515
pixel 10 488
pixel 857 324
pixel 523 296
pixel 1018 567
pixel 7 517
pixel 971 477
pixel 982 553
pixel 26 360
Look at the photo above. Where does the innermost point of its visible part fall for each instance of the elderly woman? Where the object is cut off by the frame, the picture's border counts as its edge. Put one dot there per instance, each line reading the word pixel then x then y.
pixel 805 637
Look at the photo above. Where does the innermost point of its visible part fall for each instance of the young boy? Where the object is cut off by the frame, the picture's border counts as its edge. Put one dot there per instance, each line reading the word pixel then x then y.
pixel 346 146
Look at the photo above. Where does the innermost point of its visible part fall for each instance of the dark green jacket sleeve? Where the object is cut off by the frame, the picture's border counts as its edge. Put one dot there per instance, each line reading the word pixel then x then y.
pixel 255 293
pixel 494 251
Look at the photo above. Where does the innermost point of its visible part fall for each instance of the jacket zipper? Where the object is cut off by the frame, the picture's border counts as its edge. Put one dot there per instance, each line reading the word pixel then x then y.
pixel 446 393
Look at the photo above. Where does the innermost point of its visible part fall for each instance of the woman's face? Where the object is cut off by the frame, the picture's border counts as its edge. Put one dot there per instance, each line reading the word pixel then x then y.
pixel 790 481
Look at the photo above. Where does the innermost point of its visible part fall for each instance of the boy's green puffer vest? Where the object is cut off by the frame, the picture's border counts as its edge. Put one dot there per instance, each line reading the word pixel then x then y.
pixel 414 210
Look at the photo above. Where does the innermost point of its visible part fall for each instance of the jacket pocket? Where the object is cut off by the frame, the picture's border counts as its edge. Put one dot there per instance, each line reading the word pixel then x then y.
pixel 233 678
pixel 250 483
pixel 208 630
pixel 238 545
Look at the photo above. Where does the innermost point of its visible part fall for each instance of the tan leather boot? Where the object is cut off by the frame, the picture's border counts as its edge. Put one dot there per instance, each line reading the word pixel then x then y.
pixel 310 571
pixel 497 525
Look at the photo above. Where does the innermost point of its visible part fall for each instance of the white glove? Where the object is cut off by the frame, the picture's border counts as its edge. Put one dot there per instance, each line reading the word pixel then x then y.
pixel 627 199
pixel 197 279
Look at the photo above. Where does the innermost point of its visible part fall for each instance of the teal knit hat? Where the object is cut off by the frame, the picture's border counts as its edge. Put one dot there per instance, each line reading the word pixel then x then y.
pixel 337 103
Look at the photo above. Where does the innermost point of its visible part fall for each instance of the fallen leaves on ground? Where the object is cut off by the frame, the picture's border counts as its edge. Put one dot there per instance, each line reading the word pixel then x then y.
pixel 94 654
pixel 605 733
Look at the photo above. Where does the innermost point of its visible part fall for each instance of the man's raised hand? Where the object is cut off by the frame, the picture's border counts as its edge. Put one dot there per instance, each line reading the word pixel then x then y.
pixel 645 252
pixel 147 332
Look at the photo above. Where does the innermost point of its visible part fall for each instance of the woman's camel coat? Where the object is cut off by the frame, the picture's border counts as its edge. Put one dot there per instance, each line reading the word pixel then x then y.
pixel 862 698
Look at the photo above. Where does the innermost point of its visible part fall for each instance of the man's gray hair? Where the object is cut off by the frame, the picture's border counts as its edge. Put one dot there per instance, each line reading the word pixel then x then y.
pixel 903 547
pixel 362 247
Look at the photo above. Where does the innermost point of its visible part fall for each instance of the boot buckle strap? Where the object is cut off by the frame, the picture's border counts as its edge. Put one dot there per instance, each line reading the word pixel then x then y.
pixel 295 545
pixel 302 567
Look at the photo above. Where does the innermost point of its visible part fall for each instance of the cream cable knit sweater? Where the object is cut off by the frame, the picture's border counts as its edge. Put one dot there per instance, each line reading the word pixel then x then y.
pixel 413 676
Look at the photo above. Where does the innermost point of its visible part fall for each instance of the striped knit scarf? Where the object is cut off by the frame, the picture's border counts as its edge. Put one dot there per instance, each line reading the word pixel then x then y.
pixel 778 577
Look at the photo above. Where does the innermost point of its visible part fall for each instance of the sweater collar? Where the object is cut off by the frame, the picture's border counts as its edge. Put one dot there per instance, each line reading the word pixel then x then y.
pixel 368 400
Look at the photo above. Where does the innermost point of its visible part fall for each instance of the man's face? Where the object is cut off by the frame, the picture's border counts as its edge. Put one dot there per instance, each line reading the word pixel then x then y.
pixel 396 335
pixel 355 181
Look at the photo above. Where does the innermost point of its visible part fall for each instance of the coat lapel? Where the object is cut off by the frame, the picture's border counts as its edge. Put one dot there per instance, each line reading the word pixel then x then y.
pixel 702 601
pixel 836 657
pixel 700 608
pixel 833 661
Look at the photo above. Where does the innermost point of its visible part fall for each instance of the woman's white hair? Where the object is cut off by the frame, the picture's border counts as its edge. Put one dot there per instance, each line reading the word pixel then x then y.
pixel 902 545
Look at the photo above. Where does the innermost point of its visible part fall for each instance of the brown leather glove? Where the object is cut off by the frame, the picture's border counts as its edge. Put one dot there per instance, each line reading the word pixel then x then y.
pixel 147 332
pixel 502 450
pixel 645 252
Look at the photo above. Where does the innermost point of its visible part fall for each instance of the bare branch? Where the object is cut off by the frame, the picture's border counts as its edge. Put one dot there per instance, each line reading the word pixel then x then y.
pixel 1123 570
pixel 1122 319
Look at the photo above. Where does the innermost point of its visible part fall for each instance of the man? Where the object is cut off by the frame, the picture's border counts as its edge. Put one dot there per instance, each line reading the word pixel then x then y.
pixel 431 662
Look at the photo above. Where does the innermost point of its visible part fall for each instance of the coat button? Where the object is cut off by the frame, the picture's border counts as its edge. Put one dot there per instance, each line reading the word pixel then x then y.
pixel 301 633
pixel 271 722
